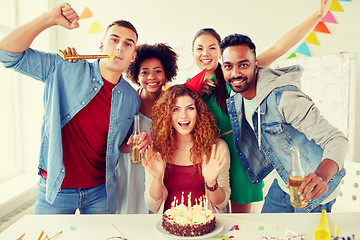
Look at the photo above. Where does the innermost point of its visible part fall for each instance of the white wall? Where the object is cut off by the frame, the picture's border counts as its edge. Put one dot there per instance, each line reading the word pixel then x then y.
pixel 175 23
pixel 31 91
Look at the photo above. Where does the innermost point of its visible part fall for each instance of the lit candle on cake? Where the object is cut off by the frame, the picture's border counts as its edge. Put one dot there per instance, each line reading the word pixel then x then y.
pixel 172 207
pixel 206 203
pixel 182 203
pixel 189 200
pixel 195 209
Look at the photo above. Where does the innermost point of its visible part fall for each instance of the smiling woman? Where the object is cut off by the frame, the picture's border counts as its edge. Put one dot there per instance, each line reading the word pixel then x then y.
pixel 188 157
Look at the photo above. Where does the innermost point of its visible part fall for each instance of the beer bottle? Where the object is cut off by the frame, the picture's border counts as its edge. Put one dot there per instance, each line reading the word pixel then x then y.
pixel 296 177
pixel 136 156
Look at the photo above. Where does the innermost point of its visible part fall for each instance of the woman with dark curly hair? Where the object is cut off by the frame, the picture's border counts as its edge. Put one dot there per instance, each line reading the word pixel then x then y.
pixel 187 153
pixel 153 66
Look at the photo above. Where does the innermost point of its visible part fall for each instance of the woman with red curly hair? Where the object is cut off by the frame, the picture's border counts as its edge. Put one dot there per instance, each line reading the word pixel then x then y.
pixel 187 153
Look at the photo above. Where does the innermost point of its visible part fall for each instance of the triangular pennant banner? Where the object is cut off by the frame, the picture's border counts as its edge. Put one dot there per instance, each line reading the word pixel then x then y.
pixel 303 49
pixel 95 27
pixel 292 55
pixel 86 13
pixel 312 39
pixel 335 6
pixel 321 27
pixel 329 18
pixel 166 86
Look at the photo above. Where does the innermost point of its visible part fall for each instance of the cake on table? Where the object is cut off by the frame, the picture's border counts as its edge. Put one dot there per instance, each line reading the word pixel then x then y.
pixel 182 220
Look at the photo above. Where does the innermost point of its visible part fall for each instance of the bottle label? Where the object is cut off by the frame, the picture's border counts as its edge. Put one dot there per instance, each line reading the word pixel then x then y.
pixel 295 183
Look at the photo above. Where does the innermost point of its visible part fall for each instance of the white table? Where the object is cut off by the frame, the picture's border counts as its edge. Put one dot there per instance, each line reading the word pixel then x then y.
pixel 133 226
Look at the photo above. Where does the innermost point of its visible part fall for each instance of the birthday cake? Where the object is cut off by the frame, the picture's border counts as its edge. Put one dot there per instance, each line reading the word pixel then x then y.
pixel 188 221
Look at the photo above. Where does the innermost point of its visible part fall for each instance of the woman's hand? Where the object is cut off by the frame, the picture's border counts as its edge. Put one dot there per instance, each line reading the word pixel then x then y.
pixel 207 83
pixel 324 7
pixel 144 141
pixel 212 167
pixel 153 163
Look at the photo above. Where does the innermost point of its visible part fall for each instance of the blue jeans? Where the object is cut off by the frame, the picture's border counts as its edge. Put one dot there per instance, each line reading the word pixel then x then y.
pixel 68 200
pixel 278 201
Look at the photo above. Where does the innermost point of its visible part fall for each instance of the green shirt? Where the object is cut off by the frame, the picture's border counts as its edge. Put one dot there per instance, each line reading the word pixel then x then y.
pixel 242 189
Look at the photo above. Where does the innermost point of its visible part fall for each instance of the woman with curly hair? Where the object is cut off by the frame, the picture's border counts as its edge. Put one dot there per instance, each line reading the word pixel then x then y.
pixel 187 153
pixel 153 66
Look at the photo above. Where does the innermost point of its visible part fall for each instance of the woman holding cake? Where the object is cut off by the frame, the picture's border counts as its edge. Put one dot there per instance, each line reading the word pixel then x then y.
pixel 188 160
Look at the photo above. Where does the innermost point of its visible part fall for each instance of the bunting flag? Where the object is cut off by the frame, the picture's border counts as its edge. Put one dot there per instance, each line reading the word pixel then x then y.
pixel 292 55
pixel 95 27
pixel 303 49
pixel 166 86
pixel 321 27
pixel 311 38
pixel 335 6
pixel 329 18
pixel 86 13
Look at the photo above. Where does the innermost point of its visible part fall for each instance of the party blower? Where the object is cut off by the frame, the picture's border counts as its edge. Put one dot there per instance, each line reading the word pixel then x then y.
pixel 322 231
pixel 65 56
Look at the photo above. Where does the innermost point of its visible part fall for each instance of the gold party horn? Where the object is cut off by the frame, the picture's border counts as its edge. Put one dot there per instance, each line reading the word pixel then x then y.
pixel 66 57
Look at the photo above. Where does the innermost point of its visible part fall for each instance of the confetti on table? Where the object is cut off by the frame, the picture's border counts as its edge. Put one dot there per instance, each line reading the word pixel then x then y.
pixel 235 227
pixel 72 228
pixel 224 237
pixel 261 228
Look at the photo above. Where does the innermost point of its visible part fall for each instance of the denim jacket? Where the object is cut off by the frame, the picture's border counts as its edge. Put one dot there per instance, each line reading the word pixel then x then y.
pixel 286 120
pixel 68 88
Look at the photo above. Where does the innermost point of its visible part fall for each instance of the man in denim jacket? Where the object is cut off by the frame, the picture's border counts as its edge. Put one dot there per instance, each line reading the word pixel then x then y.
pixel 88 112
pixel 269 117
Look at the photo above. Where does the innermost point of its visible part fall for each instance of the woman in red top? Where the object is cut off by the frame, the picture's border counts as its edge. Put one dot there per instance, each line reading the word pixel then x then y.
pixel 187 156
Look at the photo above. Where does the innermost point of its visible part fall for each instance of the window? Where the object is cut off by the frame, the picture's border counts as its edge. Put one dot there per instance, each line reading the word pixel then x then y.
pixel 10 164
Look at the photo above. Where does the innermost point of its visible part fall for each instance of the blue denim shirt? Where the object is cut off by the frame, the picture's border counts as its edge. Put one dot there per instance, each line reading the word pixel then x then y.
pixel 68 88
pixel 277 139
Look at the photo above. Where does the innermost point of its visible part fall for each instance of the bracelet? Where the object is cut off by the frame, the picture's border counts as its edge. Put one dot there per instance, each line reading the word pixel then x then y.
pixel 212 189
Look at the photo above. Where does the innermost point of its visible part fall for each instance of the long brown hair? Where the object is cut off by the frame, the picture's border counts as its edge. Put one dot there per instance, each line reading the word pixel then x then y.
pixel 220 93
pixel 205 132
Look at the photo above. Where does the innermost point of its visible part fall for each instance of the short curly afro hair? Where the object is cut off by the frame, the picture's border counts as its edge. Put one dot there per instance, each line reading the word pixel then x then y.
pixel 161 51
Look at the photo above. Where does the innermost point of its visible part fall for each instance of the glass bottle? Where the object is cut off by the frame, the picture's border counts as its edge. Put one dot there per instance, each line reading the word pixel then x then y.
pixel 296 177
pixel 136 156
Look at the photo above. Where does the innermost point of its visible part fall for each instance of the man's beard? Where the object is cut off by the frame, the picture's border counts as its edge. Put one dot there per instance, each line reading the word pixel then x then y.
pixel 245 85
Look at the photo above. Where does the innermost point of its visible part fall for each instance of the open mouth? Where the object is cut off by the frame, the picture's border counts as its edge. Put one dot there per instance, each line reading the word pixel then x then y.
pixel 237 82
pixel 153 84
pixel 206 61
pixel 184 124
